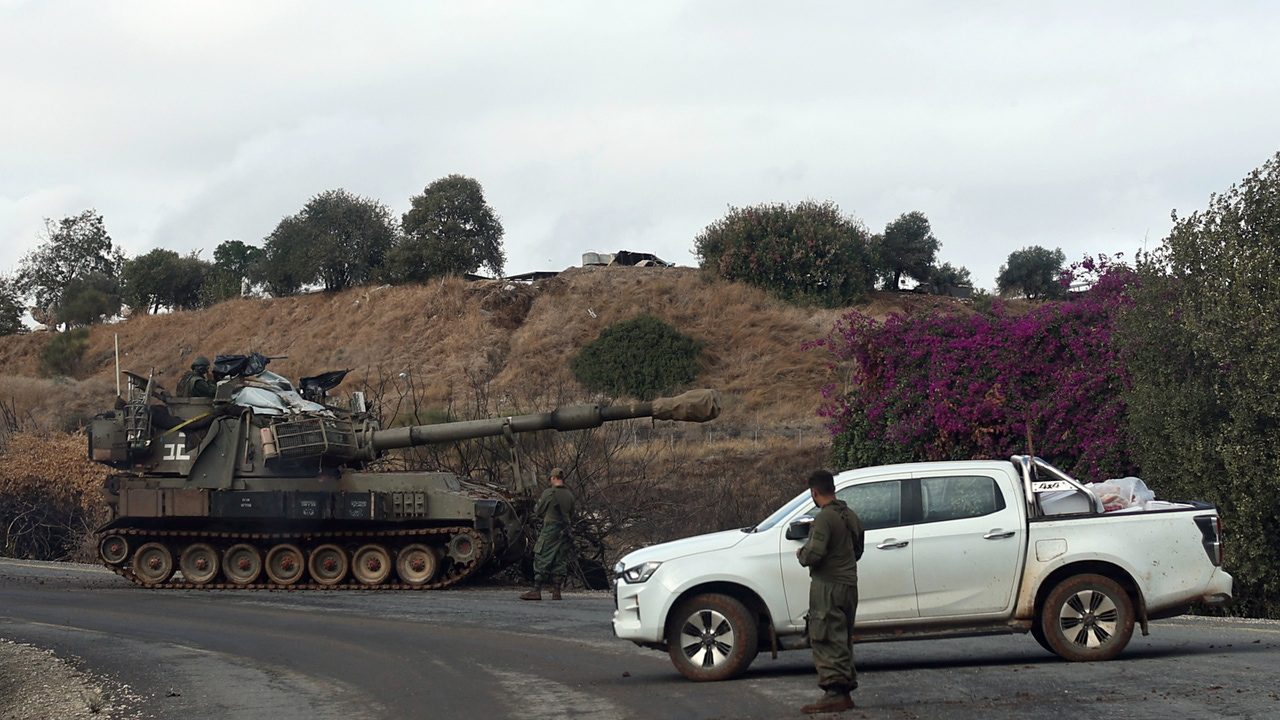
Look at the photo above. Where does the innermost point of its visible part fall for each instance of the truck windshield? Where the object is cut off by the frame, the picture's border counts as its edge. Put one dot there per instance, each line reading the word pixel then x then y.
pixel 782 512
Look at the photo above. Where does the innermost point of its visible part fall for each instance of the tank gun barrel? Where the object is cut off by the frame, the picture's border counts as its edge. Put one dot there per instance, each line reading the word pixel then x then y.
pixel 692 406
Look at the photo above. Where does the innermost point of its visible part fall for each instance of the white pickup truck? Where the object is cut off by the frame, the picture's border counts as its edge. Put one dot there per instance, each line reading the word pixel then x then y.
pixel 952 548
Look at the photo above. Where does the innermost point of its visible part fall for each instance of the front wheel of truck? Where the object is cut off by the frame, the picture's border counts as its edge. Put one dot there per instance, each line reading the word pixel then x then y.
pixel 712 637
pixel 1087 618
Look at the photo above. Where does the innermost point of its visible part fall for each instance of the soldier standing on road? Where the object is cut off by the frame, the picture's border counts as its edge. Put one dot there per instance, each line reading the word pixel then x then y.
pixel 198 381
pixel 831 554
pixel 552 551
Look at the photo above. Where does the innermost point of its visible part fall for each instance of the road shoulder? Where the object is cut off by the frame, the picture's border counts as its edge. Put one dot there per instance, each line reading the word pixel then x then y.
pixel 36 684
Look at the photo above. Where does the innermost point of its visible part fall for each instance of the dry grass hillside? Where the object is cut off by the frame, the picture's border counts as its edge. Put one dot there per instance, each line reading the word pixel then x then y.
pixel 473 348
pixel 452 335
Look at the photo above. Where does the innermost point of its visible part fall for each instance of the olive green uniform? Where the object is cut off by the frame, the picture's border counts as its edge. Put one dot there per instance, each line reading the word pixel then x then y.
pixel 193 384
pixel 552 552
pixel 831 554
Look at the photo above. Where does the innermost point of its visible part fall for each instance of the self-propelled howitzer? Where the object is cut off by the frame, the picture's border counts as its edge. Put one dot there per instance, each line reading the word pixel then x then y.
pixel 263 486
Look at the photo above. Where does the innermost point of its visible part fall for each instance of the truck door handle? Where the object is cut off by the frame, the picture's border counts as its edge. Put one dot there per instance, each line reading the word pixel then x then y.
pixel 891 544
pixel 998 534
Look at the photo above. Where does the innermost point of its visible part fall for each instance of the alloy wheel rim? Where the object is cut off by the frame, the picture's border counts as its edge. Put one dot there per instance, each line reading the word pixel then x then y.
pixel 1089 619
pixel 706 638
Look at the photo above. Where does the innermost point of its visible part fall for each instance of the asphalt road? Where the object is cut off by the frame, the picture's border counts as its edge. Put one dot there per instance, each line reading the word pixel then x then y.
pixel 481 653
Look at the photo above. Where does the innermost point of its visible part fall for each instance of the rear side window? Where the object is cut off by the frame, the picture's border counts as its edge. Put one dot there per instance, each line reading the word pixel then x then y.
pixel 955 498
pixel 878 504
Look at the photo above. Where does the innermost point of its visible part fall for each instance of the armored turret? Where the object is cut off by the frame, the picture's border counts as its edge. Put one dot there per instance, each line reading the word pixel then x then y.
pixel 268 485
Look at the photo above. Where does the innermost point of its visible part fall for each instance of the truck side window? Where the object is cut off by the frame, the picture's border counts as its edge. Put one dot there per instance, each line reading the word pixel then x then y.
pixel 878 504
pixel 954 498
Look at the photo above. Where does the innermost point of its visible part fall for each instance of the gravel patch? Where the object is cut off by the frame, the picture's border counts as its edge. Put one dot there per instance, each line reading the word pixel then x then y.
pixel 35 684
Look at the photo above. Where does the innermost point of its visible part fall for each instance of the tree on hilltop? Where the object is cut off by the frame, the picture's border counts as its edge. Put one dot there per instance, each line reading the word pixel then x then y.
pixel 449 230
pixel 75 246
pixel 11 308
pixel 235 263
pixel 907 247
pixel 809 252
pixel 338 239
pixel 1033 272
pixel 163 278
pixel 947 275
pixel 88 299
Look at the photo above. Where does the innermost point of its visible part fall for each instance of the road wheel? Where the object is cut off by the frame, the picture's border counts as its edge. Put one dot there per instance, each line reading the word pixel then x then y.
pixel 712 637
pixel 114 549
pixel 417 564
pixel 371 564
pixel 199 563
pixel 285 564
pixel 328 565
pixel 1087 618
pixel 242 563
pixel 153 563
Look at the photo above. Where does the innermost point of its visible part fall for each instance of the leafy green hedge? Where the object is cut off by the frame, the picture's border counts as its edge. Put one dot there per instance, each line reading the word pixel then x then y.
pixel 642 358
pixel 808 252
pixel 1204 357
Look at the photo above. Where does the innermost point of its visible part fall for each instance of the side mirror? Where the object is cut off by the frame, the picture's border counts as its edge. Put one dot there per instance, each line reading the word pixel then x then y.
pixel 799 528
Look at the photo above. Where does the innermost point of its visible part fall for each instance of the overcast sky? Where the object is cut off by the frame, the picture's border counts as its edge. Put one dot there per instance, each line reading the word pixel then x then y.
pixel 598 126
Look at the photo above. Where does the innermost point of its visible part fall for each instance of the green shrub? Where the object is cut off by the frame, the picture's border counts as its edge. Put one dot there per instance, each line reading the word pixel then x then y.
pixel 642 358
pixel 1204 406
pixel 809 252
pixel 63 353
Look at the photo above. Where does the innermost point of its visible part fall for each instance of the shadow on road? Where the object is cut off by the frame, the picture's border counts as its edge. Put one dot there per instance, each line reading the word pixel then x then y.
pixel 763 669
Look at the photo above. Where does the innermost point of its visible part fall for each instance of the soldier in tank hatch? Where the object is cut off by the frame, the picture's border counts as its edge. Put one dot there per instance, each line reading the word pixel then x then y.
pixel 198 381
pixel 553 550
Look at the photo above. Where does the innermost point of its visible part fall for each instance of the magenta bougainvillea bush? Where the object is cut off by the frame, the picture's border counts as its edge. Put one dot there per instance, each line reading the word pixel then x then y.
pixel 968 385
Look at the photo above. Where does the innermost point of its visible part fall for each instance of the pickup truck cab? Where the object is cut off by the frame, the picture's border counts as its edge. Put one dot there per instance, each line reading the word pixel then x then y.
pixel 952 548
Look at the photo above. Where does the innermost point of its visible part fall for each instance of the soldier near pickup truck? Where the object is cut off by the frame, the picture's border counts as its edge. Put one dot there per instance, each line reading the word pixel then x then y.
pixel 831 553
pixel 553 550
pixel 197 382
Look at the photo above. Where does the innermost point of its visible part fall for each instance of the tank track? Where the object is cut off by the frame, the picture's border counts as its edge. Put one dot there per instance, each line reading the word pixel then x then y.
pixel 456 574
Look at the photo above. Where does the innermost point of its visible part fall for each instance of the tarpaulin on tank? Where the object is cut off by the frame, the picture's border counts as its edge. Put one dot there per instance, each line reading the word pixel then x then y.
pixel 693 406
pixel 318 384
pixel 239 365
pixel 271 394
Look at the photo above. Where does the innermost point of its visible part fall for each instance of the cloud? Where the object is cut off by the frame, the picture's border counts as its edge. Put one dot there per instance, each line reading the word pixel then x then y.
pixel 22 219
pixel 599 125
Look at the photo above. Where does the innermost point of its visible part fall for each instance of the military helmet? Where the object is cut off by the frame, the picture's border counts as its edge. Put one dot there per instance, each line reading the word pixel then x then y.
pixel 200 363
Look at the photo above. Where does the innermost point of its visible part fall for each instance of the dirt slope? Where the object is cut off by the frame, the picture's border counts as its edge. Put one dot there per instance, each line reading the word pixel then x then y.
pixel 452 335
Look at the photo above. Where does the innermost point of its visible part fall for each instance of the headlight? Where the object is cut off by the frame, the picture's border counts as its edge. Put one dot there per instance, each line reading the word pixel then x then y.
pixel 639 573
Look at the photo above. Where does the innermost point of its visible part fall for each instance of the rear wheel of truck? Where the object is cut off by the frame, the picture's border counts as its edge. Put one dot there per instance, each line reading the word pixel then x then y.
pixel 1087 618
pixel 712 637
